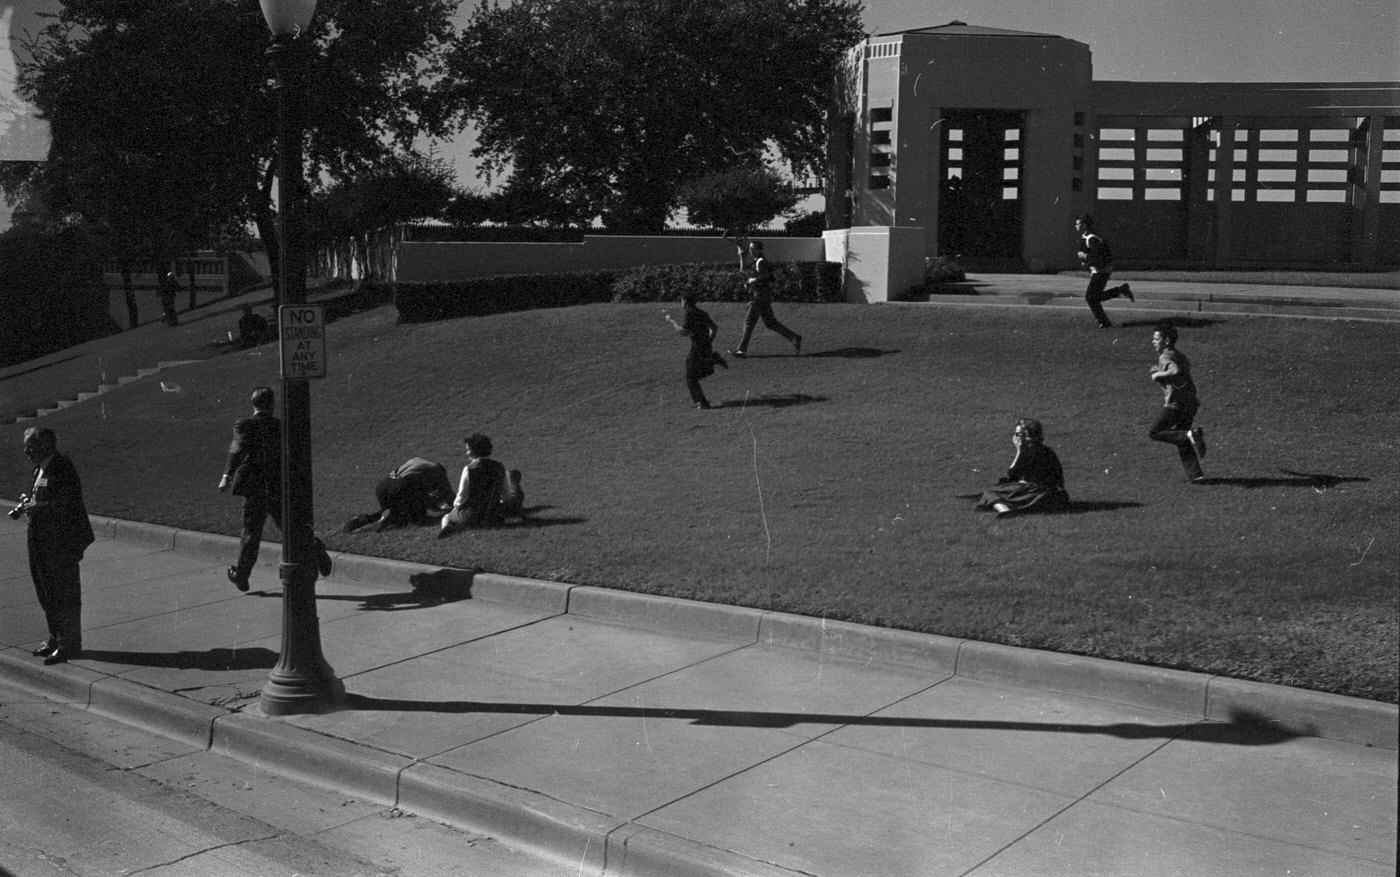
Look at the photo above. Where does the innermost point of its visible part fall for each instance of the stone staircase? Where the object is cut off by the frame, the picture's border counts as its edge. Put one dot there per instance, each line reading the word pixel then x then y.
pixel 121 381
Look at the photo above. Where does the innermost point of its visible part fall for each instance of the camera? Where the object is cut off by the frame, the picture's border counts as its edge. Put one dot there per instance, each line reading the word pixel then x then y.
pixel 18 511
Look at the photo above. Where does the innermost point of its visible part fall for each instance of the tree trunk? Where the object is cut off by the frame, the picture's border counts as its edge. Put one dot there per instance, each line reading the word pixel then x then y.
pixel 265 219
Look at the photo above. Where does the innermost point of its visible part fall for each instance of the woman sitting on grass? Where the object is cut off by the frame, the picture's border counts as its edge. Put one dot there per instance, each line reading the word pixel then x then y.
pixel 1035 480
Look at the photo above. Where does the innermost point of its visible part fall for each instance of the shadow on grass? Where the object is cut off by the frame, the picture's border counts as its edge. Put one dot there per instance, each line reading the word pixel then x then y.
pixel 1075 507
pixel 213 659
pixel 1079 507
pixel 1244 729
pixel 1178 322
pixel 1318 480
pixel 773 401
pixel 851 353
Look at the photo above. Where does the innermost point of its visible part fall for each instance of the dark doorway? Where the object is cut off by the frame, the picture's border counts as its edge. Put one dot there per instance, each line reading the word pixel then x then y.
pixel 980 212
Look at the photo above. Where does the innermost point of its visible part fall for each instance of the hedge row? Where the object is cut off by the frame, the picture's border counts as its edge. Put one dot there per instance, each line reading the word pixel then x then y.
pixel 425 302
pixel 793 281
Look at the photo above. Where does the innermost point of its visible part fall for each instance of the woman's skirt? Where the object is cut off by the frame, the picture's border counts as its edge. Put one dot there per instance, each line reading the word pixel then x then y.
pixel 1021 496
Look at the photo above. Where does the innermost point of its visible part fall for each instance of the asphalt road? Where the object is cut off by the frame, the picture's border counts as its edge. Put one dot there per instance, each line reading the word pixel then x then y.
pixel 84 795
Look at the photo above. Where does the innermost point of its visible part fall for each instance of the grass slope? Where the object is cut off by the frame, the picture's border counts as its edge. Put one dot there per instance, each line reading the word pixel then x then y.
pixel 840 483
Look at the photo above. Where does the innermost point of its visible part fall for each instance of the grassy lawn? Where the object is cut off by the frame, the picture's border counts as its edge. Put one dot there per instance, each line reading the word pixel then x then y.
pixel 840 483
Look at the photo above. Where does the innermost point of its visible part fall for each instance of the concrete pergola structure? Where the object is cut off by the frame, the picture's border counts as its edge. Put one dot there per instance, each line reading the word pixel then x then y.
pixel 986 143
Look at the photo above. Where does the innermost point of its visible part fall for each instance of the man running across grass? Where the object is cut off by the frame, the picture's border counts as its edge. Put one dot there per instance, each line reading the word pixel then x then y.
pixel 760 287
pixel 1173 426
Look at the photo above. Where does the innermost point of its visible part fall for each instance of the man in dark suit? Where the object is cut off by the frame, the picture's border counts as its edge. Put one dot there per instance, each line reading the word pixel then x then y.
pixel 59 533
pixel 254 472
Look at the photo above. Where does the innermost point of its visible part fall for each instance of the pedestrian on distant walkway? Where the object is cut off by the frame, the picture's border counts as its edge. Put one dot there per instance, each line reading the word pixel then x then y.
pixel 254 472
pixel 759 282
pixel 1035 481
pixel 59 534
pixel 486 493
pixel 411 493
pixel 1095 255
pixel 1173 426
pixel 700 362
pixel 169 286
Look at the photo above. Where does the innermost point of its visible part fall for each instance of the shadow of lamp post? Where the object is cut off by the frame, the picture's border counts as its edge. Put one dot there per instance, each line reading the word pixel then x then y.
pixel 302 681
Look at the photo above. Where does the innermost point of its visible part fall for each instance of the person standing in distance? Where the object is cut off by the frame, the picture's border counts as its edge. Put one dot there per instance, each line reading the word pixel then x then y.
pixel 254 472
pixel 759 282
pixel 59 533
pixel 1173 426
pixel 1095 255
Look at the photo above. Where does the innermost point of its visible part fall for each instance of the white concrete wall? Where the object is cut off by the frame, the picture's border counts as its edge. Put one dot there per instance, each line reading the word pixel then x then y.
pixel 881 263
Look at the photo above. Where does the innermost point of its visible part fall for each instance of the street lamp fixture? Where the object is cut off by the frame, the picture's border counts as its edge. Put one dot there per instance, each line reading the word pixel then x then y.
pixel 302 681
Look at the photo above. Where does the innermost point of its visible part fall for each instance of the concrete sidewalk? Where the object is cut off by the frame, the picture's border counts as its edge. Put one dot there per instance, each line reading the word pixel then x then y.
pixel 1154 298
pixel 623 734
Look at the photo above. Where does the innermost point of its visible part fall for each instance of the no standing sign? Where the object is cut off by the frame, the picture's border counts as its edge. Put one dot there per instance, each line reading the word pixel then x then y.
pixel 302 329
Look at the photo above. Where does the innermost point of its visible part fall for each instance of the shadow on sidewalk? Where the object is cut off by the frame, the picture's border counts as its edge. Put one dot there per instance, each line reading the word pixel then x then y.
pixel 1243 729
pixel 398 601
pixel 213 659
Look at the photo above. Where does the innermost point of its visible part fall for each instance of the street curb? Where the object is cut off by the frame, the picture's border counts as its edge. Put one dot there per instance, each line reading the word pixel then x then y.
pixel 160 712
pixel 858 642
pixel 547 826
pixel 1207 697
pixel 1176 691
pixel 666 613
pixel 65 683
pixel 643 851
pixel 313 757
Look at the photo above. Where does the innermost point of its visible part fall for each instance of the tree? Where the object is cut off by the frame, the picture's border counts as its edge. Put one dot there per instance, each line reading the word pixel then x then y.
pixel 739 198
pixel 163 119
pixel 606 107
pixel 407 186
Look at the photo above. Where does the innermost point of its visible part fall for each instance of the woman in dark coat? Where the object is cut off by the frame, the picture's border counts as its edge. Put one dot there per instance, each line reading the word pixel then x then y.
pixel 1035 480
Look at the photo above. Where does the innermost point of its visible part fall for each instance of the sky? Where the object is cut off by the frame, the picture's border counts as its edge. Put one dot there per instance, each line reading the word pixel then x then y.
pixel 1142 40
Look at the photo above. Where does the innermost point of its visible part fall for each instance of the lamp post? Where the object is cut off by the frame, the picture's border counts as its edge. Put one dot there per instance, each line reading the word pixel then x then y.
pixel 302 681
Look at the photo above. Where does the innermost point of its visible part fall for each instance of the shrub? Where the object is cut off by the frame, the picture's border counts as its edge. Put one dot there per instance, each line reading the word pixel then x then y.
pixel 807 225
pixel 939 273
pixel 793 281
pixel 424 302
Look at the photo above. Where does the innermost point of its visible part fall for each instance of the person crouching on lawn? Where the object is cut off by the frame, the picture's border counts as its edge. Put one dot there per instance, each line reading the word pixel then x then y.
pixel 1034 482
pixel 486 493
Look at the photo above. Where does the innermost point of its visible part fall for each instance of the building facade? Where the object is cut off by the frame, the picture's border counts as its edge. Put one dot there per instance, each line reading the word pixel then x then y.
pixel 992 141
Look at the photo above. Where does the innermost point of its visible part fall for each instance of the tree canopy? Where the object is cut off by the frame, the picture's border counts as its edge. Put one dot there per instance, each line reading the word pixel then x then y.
pixel 605 108
pixel 740 198
pixel 163 118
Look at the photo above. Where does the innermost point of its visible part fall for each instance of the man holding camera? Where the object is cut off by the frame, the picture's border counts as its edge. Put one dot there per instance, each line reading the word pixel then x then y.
pixel 59 533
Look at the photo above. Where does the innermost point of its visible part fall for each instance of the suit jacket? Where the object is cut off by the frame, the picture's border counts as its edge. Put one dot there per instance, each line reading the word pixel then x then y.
pixel 58 520
pixel 255 457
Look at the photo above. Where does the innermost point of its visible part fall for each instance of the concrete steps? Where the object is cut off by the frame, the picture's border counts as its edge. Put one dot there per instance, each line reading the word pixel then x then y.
pixel 121 381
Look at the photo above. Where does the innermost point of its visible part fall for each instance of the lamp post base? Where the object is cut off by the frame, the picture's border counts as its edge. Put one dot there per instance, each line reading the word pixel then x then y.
pixel 303 681
pixel 299 695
